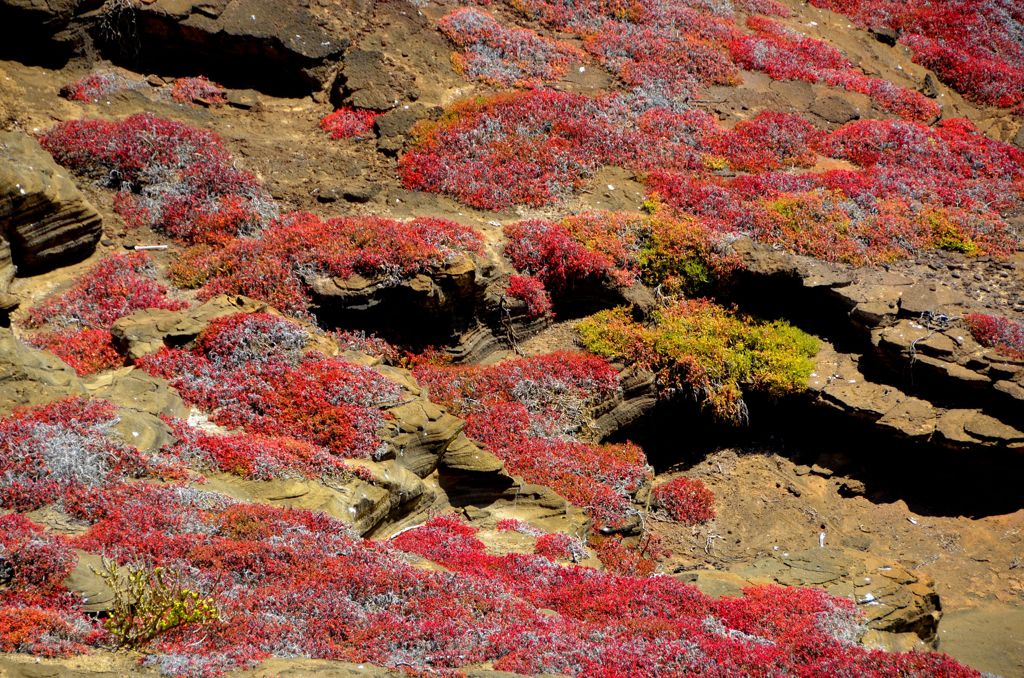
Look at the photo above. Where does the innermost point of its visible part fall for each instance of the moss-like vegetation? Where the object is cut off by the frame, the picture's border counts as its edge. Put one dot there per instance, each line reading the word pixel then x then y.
pixel 707 350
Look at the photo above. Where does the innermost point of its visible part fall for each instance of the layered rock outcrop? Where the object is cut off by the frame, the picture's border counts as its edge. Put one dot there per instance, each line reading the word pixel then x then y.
pixel 45 221
pixel 423 439
pixel 261 44
pixel 908 363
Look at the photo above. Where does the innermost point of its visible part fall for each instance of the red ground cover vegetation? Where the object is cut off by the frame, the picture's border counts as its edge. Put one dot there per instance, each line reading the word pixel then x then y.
pixel 530 291
pixel 667 52
pixel 79 319
pixel 370 344
pixel 549 252
pixel 504 56
pixel 974 46
pixel 914 188
pixel 118 286
pixel 520 526
pixel 530 412
pixel 348 123
pixel 253 455
pixel 560 546
pixel 178 179
pixel 910 187
pixel 673 629
pixel 252 371
pixel 668 56
pixel 182 181
pixel 766 7
pixel 632 559
pixel 293 583
pixel 678 254
pixel 86 351
pixel 38 615
pixel 522 148
pixel 538 146
pixel 685 500
pixel 785 54
pixel 60 451
pixel 97 86
pixel 1003 334
pixel 198 90
pixel 279 266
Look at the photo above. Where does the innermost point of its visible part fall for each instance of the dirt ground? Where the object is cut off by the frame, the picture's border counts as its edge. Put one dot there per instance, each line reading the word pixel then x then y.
pixel 767 503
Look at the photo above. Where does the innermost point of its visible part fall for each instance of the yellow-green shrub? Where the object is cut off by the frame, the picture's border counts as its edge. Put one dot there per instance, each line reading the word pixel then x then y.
pixel 708 350
pixel 150 602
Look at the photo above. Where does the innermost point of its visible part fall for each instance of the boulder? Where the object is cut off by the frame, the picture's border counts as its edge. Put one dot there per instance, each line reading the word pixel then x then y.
pixel 141 399
pixel 29 376
pixel 419 434
pixel 45 221
pixel 945 358
pixel 146 332
pixel 834 109
pixel 280 48
pixel 464 455
pixel 133 389
pixel 370 79
pixel 52 13
pixel 394 128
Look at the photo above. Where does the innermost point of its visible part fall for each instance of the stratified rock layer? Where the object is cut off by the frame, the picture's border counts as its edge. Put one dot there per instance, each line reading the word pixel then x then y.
pixel 921 376
pixel 45 221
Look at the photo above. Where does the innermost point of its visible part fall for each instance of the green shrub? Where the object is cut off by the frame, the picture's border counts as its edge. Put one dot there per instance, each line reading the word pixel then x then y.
pixel 148 603
pixel 707 350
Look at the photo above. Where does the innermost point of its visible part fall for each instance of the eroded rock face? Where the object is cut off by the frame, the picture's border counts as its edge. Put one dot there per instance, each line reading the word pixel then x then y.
pixel 946 356
pixel 38 29
pixel 420 435
pixel 840 384
pixel 638 397
pixel 921 375
pixel 432 306
pixel 45 221
pixel 263 44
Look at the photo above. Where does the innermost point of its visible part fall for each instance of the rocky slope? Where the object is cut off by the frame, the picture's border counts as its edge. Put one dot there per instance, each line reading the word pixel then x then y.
pixel 884 474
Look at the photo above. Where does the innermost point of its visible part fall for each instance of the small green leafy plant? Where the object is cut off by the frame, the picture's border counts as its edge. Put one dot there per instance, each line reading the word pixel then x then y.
pixel 150 602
